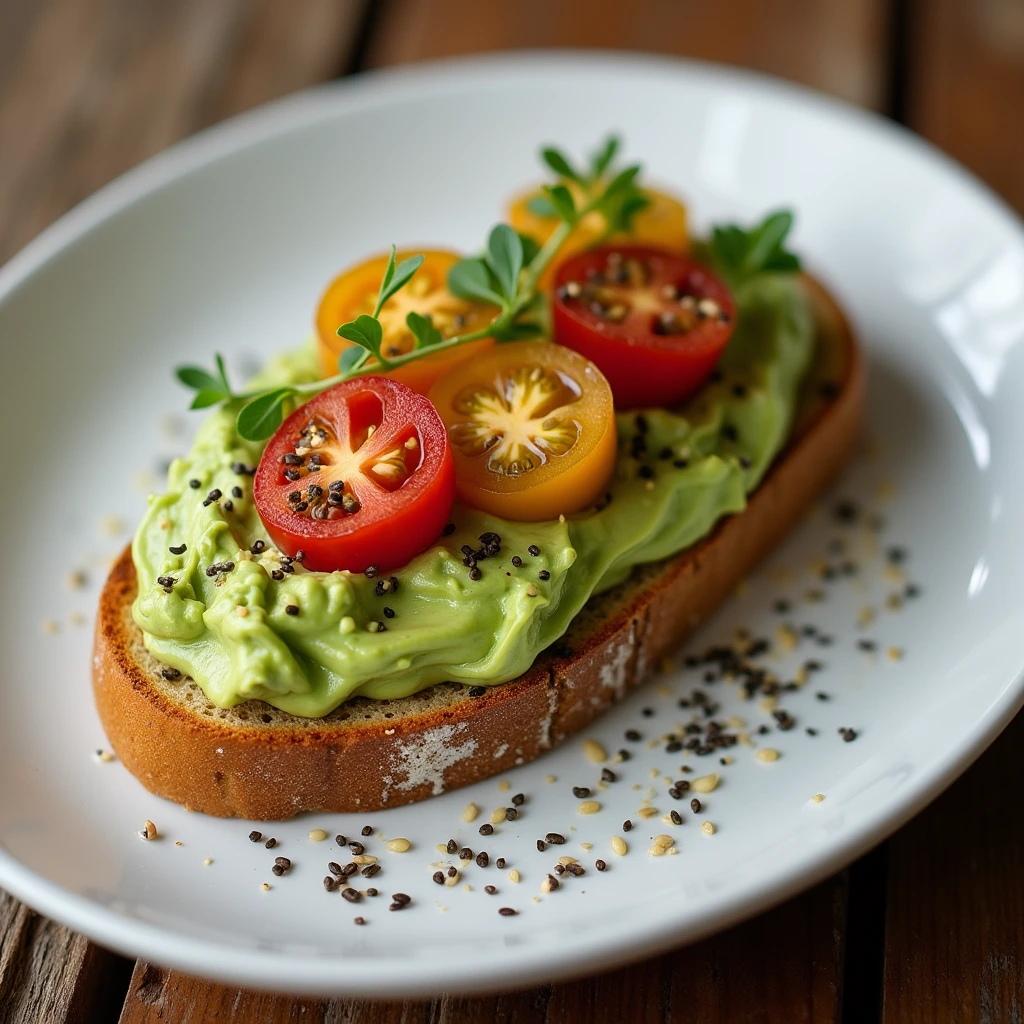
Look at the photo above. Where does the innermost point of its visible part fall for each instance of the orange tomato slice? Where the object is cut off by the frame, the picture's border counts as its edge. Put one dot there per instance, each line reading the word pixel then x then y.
pixel 354 291
pixel 532 430
pixel 662 223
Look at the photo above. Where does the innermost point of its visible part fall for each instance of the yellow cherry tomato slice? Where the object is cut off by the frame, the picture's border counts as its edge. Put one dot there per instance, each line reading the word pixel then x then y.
pixel 532 430
pixel 662 224
pixel 354 291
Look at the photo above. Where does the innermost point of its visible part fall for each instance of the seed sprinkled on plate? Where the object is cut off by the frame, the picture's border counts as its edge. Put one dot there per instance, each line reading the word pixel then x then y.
pixel 619 847
pixel 513 875
pixel 497 815
pixel 817 798
pixel 589 807
pixel 594 751
pixel 507 912
pixel 893 653
pixel 647 812
pixel 318 835
pixel 708 828
pixel 398 845
pixel 470 813
pixel 705 783
pixel 149 831
pixel 265 887
pixel 767 754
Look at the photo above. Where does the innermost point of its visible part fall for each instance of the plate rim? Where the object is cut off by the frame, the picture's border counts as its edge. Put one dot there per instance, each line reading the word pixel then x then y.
pixel 318 975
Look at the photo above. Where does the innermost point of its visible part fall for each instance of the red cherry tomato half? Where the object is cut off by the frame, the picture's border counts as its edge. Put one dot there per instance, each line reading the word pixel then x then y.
pixel 653 322
pixel 360 475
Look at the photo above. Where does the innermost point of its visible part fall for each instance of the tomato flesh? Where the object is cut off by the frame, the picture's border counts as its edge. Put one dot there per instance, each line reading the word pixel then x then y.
pixel 361 475
pixel 354 292
pixel 532 429
pixel 654 322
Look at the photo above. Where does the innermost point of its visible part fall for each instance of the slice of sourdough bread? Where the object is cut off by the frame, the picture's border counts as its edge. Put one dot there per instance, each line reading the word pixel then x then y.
pixel 254 761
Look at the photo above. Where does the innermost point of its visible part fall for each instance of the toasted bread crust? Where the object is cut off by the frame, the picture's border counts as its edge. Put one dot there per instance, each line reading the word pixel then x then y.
pixel 236 764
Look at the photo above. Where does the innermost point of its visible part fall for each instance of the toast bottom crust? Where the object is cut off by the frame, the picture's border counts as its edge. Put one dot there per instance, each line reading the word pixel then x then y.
pixel 253 762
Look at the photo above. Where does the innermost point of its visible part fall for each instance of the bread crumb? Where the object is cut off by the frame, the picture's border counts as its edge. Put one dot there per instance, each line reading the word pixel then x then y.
pixel 894 653
pixel 50 626
pixel 657 851
pixel 551 778
pixel 586 846
pixel 504 786
pixel 817 798
pixel 865 616
pixel 207 862
pixel 77 619
pixel 708 828
pixel 106 756
pixel 177 842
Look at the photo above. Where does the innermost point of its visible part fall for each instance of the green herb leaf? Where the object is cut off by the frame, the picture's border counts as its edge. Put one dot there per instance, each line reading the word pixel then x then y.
pixel 620 215
pixel 561 199
pixel 364 330
pixel 400 276
pixel 602 159
pixel 423 330
pixel 350 358
pixel 540 206
pixel 219 360
pixel 206 397
pixel 622 182
pixel 505 258
pixel 739 254
pixel 198 379
pixel 389 273
pixel 530 247
pixel 521 330
pixel 557 161
pixel 470 279
pixel 258 419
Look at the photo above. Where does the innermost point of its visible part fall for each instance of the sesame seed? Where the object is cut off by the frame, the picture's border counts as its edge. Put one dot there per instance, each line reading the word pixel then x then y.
pixel 507 912
pixel 518 800
pixel 451 846
pixel 398 845
pixel 695 805
pixel 619 847
pixel 291 609
pixel 589 807
pixel 580 792
pixel 555 838
pixel 318 835
pixel 627 825
pixel 255 837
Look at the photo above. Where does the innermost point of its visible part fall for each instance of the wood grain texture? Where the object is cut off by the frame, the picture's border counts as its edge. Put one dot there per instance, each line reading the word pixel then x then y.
pixel 782 966
pixel 88 88
pixel 834 45
pixel 966 87
pixel 954 948
pixel 50 974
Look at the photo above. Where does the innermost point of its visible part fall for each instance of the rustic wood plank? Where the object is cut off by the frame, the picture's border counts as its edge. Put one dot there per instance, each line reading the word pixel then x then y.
pixel 835 45
pixel 966 86
pixel 48 973
pixel 954 939
pixel 785 965
pixel 133 78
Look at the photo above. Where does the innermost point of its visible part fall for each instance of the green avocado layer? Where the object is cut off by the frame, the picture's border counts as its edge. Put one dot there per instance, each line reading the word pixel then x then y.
pixel 231 631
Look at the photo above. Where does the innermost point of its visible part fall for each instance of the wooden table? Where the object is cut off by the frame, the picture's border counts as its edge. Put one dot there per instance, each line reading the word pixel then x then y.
pixel 928 927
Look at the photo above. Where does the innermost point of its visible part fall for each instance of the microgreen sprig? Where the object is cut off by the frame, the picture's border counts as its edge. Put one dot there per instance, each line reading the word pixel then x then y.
pixel 738 254
pixel 505 275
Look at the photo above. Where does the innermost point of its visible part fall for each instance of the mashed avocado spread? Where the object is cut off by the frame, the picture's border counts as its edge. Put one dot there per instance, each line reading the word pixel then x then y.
pixel 232 633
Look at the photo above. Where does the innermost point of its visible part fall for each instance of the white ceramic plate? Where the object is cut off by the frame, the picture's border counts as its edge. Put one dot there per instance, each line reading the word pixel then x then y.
pixel 225 242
